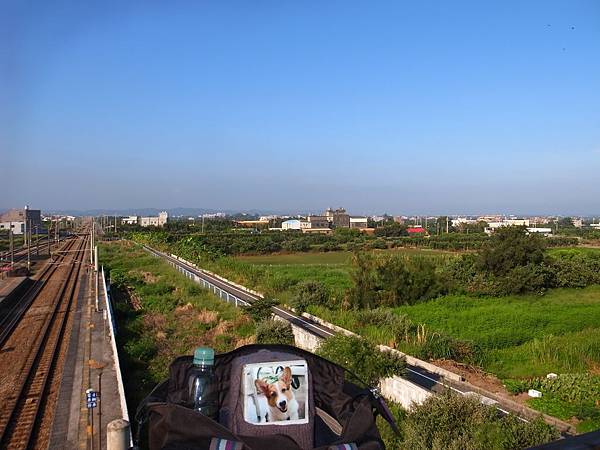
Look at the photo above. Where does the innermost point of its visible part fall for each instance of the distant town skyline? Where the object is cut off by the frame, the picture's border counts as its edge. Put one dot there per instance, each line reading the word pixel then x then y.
pixel 198 212
pixel 379 107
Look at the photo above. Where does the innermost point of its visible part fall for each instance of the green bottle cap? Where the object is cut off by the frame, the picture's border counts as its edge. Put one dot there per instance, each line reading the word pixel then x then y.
pixel 204 356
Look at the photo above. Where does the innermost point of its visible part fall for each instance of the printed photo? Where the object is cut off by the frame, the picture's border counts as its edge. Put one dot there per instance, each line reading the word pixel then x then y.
pixel 275 393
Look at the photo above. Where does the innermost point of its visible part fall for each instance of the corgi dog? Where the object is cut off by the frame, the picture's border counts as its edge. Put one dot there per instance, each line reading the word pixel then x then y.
pixel 282 403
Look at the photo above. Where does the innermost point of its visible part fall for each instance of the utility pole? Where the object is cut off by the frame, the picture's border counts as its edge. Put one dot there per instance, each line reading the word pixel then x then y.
pixel 115 225
pixel 28 247
pixel 446 224
pixel 92 245
pixel 202 223
pixel 37 242
pixel 12 247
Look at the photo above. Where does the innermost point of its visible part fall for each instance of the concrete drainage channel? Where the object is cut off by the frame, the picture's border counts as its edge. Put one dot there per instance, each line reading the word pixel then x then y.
pixel 422 380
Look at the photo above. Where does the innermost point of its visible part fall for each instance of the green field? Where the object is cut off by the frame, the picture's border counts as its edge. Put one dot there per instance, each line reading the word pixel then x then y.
pixel 326 258
pixel 516 336
pixel 278 274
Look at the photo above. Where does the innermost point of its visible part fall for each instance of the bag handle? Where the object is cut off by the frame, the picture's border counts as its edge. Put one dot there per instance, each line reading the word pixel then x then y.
pixel 141 413
pixel 377 402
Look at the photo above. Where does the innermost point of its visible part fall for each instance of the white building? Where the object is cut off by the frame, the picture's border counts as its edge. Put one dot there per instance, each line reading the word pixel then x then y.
pixel 492 226
pixel 462 220
pixel 16 227
pixel 131 220
pixel 293 224
pixel 358 222
pixel 542 230
pixel 268 218
pixel 159 221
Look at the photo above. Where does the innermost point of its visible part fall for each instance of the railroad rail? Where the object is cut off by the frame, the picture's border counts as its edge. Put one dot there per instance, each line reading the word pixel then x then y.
pixel 22 413
pixel 13 313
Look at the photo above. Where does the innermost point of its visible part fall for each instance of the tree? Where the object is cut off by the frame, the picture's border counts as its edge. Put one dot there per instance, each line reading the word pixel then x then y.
pixel 565 222
pixel 392 229
pixel 274 332
pixel 309 293
pixel 363 293
pixel 511 247
pixel 261 309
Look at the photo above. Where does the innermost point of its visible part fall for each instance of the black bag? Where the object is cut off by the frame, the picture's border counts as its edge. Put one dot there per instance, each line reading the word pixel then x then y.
pixel 336 410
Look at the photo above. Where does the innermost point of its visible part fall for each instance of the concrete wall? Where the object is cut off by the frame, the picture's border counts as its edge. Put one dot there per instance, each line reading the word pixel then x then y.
pixel 113 342
pixel 403 391
pixel 302 338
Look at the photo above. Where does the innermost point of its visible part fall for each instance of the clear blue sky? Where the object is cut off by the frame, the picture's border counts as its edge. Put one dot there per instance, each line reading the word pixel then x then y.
pixel 400 107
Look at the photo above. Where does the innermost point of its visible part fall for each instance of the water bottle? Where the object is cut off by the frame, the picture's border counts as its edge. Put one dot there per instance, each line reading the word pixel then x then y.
pixel 202 389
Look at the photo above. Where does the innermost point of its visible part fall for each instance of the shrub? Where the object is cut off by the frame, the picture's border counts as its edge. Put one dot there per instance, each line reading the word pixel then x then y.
pixel 309 293
pixel 261 308
pixel 362 358
pixel 451 421
pixel 511 247
pixel 523 279
pixel 575 270
pixel 274 332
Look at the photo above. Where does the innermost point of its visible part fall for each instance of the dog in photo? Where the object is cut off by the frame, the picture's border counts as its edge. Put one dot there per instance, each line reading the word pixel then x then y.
pixel 281 400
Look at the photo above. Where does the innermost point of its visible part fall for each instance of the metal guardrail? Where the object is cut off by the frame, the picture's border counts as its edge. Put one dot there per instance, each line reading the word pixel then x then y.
pixel 222 294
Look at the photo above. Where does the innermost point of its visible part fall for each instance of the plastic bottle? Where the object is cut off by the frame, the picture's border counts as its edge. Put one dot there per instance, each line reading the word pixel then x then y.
pixel 202 389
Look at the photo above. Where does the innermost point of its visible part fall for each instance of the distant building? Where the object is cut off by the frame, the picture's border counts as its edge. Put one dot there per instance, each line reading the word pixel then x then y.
pixel 416 230
pixel 131 220
pixel 268 218
pixel 493 226
pixel 358 222
pixel 578 223
pixel 318 222
pixel 20 220
pixel 16 227
pixel 292 224
pixel 462 221
pixel 338 217
pixel 544 231
pixel 32 217
pixel 399 219
pixel 159 221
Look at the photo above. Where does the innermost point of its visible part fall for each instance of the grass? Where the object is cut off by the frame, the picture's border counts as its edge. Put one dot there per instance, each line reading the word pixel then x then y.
pixel 161 314
pixel 278 274
pixel 327 258
pixel 518 336
pixel 563 251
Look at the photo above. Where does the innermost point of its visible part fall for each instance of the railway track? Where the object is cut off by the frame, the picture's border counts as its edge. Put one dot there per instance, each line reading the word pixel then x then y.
pixel 13 314
pixel 23 411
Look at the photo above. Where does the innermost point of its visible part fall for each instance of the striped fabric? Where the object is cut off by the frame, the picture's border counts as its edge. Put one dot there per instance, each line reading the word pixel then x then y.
pixel 225 444
pixel 351 446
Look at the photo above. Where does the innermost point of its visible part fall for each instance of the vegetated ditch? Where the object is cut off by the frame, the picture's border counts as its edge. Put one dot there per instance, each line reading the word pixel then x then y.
pixel 161 315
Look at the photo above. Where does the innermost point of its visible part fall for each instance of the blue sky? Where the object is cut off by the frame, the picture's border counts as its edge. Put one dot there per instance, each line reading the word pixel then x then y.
pixel 400 107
